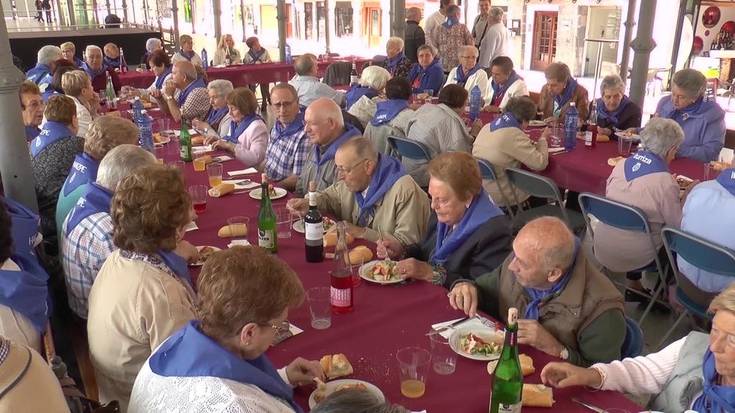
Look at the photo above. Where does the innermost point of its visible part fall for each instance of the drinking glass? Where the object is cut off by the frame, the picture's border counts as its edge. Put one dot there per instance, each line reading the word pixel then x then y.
pixel 320 307
pixel 236 221
pixel 164 127
pixel 214 172
pixel 284 219
pixel 198 195
pixel 199 164
pixel 624 144
pixel 444 359
pixel 413 366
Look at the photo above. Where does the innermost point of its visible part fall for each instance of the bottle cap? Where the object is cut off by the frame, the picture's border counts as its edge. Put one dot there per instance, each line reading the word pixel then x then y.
pixel 312 186
pixel 512 315
pixel 263 178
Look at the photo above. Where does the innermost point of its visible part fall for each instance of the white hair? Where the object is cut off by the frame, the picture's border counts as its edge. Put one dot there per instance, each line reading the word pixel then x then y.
pixel 612 82
pixel 496 13
pixel 660 135
pixel 92 47
pixel 221 87
pixel 120 162
pixel 48 54
pixel 397 41
pixel 467 48
pixel 151 44
pixel 374 77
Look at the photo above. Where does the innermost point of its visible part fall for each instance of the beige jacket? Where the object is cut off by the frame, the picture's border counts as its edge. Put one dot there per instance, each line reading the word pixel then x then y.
pixel 403 212
pixel 133 307
pixel 508 148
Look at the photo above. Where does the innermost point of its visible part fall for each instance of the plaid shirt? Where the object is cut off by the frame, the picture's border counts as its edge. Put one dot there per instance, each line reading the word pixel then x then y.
pixel 196 105
pixel 84 251
pixel 286 155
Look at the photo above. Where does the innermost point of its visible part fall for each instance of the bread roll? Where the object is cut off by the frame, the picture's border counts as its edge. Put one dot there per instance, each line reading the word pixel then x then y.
pixel 236 230
pixel 360 254
pixel 197 140
pixel 602 138
pixel 537 395
pixel 336 365
pixel 526 364
pixel 221 190
pixel 330 239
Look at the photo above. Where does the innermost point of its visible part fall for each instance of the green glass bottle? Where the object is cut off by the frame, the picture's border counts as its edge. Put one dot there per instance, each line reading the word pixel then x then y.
pixel 185 143
pixel 266 219
pixel 507 385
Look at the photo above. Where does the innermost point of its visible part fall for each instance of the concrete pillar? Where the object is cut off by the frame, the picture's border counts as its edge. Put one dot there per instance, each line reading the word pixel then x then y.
pixel 629 23
pixel 175 15
pixel 642 46
pixel 125 11
pixel 15 160
pixel 398 18
pixel 281 16
pixel 327 34
pixel 217 11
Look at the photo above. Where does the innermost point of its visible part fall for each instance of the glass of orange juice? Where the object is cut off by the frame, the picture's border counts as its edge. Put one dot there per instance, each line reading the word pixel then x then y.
pixel 214 172
pixel 199 164
pixel 413 363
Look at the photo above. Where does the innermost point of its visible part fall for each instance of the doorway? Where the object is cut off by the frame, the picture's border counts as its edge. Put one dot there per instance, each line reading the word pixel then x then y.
pixel 372 24
pixel 544 39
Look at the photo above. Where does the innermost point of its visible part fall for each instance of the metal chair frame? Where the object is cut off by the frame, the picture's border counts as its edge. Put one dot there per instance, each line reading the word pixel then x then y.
pixel 487 170
pixel 397 143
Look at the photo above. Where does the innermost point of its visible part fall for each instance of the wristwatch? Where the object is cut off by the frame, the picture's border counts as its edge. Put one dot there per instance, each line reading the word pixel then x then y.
pixel 564 354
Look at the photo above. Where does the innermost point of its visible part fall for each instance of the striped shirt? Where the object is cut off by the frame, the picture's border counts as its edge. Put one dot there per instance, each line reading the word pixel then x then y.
pixel 286 155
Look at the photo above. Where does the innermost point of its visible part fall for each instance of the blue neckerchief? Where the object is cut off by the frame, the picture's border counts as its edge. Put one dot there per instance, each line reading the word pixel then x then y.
pixel 187 55
pixel 669 111
pixel 83 171
pixel 50 91
pixel 191 353
pixel 387 110
pixel 38 72
pixel 32 132
pixel 177 264
pixel 111 63
pixel 160 79
pixel 79 62
pixel 506 120
pixel 95 199
pixel 417 75
pixel 539 296
pixel 322 158
pixel 51 132
pixel 215 115
pixel 237 128
pixel 715 398
pixel 727 180
pixel 611 117
pixel 450 21
pixel 92 73
pixel 461 78
pixel 566 94
pixel 480 211
pixel 392 63
pixel 643 163
pixel 199 82
pixel 356 92
pixel 256 55
pixel 387 172
pixel 288 130
pixel 499 90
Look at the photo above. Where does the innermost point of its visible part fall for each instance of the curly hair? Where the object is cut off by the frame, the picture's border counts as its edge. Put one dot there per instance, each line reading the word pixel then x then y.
pixel 244 285
pixel 460 171
pixel 60 108
pixel 148 209
pixel 6 235
pixel 243 99
pixel 107 132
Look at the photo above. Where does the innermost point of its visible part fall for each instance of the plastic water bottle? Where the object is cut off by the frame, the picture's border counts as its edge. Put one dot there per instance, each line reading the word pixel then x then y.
pixel 570 127
pixel 137 110
pixel 475 102
pixel 146 132
pixel 205 59
pixel 289 59
pixel 123 63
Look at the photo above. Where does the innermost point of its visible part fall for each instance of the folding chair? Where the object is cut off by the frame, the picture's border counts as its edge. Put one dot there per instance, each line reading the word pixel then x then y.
pixel 541 187
pixel 627 218
pixel 703 254
pixel 410 149
pixel 488 172
pixel 633 343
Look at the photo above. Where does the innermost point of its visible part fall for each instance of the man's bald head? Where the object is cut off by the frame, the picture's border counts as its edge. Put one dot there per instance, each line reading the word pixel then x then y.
pixel 324 121
pixel 187 69
pixel 551 239
pixel 359 148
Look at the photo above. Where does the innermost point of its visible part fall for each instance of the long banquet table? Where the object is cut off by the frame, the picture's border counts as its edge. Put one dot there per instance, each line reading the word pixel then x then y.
pixel 385 318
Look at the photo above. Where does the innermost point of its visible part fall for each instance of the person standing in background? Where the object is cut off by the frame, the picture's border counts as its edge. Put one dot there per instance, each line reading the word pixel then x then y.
pixel 433 22
pixel 495 42
pixel 414 36
pixel 482 23
pixel 449 37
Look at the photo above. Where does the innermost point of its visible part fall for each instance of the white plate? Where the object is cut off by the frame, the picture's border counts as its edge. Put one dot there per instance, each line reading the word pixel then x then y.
pixel 298 225
pixel 486 333
pixel 164 139
pixel 280 193
pixel 332 387
pixel 365 269
pixel 199 248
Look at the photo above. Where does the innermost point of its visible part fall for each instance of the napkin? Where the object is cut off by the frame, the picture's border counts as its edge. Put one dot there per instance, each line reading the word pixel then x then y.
pixel 235 242
pixel 283 335
pixel 191 226
pixel 222 158
pixel 477 322
pixel 555 150
pixel 242 172
pixel 196 150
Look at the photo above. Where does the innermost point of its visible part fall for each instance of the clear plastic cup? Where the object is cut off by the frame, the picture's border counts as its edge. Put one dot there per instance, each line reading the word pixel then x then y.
pixel 443 358
pixel 284 220
pixel 413 366
pixel 214 173
pixel 320 307
pixel 624 145
pixel 198 195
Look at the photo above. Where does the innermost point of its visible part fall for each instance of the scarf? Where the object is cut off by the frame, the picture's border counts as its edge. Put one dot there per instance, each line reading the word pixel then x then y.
pixel 93 73
pixel 499 90
pixel 79 62
pixel 393 63
pixel 643 163
pixel 506 120
pixel 32 132
pixel 177 264
pixel 256 55
pixel 322 158
pixel 190 353
pixel 51 132
pixel 387 110
pixel 38 72
pixel 83 171
pixel 95 199
pixel 237 128
pixel 388 171
pixel 110 62
pixel 540 296
pixel 450 21
pixel 214 116
pixel 283 131
pixel 199 82
pixel 566 95
pixel 160 79
pixel 461 77
pixel 187 55
pixel 671 112
pixel 356 92
pixel 715 398
pixel 611 117
pixel 727 180
pixel 448 240
pixel 417 75
pixel 50 91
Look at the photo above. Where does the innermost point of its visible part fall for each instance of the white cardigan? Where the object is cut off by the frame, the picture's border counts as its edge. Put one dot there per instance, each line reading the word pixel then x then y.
pixel 518 88
pixel 478 78
pixel 83 116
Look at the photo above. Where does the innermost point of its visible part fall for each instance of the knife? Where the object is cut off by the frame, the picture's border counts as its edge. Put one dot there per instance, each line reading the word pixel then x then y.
pixel 447 327
pixel 589 406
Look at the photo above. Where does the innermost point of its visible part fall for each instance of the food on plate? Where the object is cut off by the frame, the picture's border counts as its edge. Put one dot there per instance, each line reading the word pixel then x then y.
pixel 719 166
pixel 526 364
pixel 384 271
pixel 271 191
pixel 322 392
pixel 471 343
pixel 360 254
pixel 336 365
pixel 602 138
pixel 234 230
pixel 157 138
pixel 330 239
pixel 221 190
pixel 614 161
pixel 197 140
pixel 537 395
pixel 328 223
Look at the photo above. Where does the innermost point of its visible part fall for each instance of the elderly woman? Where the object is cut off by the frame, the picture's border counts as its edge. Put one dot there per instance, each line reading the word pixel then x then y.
pixel 614 109
pixel 151 45
pixel 468 234
pixel 217 122
pixel 223 352
pixel 160 65
pixel 504 144
pixel 68 51
pixel 644 181
pixel 426 76
pixel 703 121
pixel 450 36
pixel 248 136
pixel 226 53
pixel 143 292
pixel 441 128
pixel 112 56
pixel 186 51
pixel 362 98
pixel 256 52
pixel 695 372
pixel 97 71
pixel 505 84
pixel 560 90
pixel 496 39
pixel 468 74
pixel 391 115
pixel 78 86
pixel 397 64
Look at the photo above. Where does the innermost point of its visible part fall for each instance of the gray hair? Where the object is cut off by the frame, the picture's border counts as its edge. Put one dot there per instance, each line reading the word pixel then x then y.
pixel 221 87
pixel 91 48
pixel 48 54
pixel 521 107
pixel 120 162
pixel 150 44
pixel 396 41
pixel 305 64
pixel 660 135
pixel 691 82
pixel 362 147
pixel 355 400
pixel 612 82
pixel 374 77
pixel 496 14
pixel 428 47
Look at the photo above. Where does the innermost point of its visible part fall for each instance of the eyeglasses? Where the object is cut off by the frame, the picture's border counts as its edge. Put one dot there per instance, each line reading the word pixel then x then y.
pixel 282 104
pixel 346 171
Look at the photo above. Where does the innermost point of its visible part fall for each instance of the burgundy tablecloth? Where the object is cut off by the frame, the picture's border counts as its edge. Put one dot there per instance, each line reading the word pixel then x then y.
pixel 385 318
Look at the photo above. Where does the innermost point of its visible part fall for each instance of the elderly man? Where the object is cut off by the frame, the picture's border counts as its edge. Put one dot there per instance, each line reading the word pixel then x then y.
pixel 560 90
pixel 31 104
pixel 327 131
pixel 288 146
pixel 111 59
pixel 414 34
pixel 391 116
pixel 496 40
pixel 43 71
pixel 97 71
pixel 481 23
pixel 468 73
pixel 151 45
pixel 86 238
pixel 397 64
pixel 449 37
pixel 374 194
pixel 432 23
pixel 307 83
pixel 185 95
pixel 505 84
pixel 569 308
pixel 69 52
